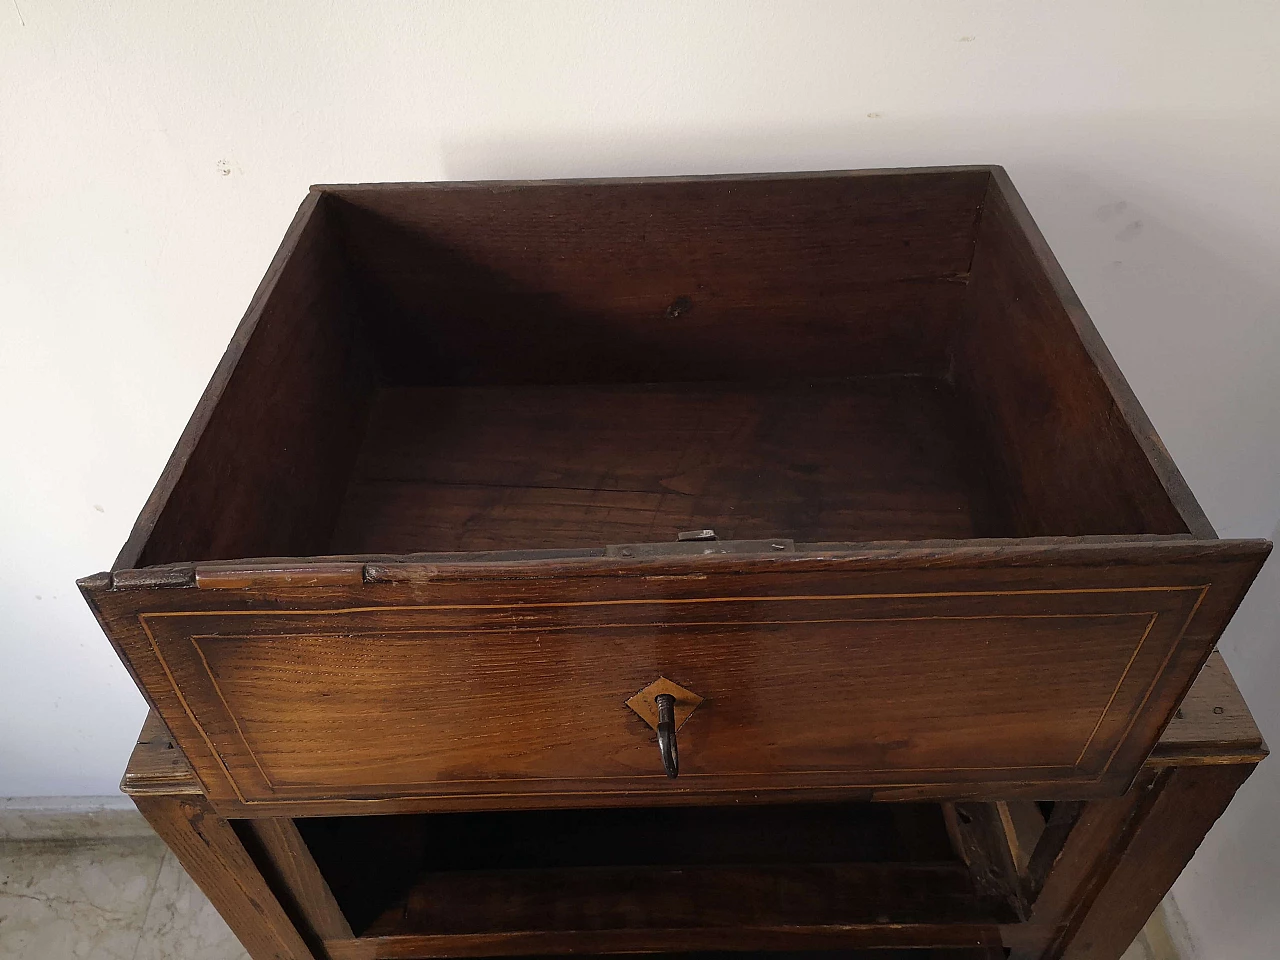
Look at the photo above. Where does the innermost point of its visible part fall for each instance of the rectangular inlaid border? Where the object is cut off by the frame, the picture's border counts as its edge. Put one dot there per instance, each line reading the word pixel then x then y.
pixel 1202 589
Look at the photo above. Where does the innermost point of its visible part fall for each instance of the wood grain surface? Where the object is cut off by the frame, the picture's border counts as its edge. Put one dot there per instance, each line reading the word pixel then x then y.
pixel 667 280
pixel 816 673
pixel 1197 735
pixel 1061 422
pixel 1039 685
pixel 881 458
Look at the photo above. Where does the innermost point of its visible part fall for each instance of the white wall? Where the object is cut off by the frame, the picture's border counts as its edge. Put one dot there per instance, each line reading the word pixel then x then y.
pixel 151 154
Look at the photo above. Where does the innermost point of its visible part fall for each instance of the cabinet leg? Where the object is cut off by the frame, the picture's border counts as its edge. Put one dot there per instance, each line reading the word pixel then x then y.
pixel 1185 803
pixel 209 850
pixel 1120 859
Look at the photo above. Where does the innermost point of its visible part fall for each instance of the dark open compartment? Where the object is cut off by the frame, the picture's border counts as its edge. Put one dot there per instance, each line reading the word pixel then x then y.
pixel 640 872
pixel 880 356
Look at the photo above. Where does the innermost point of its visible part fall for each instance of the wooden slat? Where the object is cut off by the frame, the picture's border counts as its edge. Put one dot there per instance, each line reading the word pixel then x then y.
pixel 303 889
pixel 1048 848
pixel 979 837
pixel 1127 404
pixel 1023 827
pixel 238 576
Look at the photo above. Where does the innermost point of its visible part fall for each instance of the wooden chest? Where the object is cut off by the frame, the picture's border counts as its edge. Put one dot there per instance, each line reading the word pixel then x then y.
pixel 624 542
pixel 422 538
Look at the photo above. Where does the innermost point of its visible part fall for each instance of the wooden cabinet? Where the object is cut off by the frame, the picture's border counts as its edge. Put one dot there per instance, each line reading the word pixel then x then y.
pixel 836 461
pixel 839 881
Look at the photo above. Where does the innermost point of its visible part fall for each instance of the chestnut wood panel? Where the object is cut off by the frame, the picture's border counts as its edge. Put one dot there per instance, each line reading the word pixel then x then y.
pixel 1196 736
pixel 512 698
pixel 514 674
pixel 724 278
pixel 555 467
pixel 1078 455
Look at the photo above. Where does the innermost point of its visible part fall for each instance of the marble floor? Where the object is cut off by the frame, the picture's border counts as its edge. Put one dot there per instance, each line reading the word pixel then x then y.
pixel 105 898
pixel 126 898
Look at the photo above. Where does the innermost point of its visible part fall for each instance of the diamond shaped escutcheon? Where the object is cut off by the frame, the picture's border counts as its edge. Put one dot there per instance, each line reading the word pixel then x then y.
pixel 642 702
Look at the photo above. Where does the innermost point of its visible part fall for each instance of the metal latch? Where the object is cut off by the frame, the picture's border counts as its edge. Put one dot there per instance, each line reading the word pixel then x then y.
pixel 698 536
pixel 698 543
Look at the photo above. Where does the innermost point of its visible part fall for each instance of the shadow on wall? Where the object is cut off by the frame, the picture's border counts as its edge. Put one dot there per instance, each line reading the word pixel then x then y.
pixel 1188 302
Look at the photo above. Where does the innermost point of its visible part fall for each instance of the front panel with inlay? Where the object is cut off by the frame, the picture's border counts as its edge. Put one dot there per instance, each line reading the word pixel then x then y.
pixel 509 698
